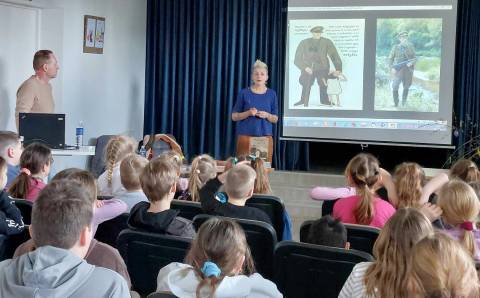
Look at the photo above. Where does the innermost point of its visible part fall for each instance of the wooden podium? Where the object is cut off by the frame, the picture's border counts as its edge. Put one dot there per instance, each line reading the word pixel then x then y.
pixel 259 146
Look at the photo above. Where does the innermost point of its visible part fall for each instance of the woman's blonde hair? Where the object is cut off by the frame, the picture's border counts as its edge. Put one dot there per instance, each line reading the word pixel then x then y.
pixel 409 180
pixel 387 276
pixel 262 184
pixel 440 267
pixel 460 208
pixel 259 64
pixel 203 169
pixel 117 148
pixel 223 242
pixel 364 172
pixel 466 170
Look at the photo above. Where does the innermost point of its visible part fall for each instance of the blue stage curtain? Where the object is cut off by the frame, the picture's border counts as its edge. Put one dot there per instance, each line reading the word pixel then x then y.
pixel 199 55
pixel 467 73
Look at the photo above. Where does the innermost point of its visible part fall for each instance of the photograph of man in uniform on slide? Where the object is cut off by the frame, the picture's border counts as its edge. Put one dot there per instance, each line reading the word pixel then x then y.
pixel 312 58
pixel 402 63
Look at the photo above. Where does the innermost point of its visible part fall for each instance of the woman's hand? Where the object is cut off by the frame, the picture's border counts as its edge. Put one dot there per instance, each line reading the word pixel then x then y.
pixel 253 112
pixel 263 115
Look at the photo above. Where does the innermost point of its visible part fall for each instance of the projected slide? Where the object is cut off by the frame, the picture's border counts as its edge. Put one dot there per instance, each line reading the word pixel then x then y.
pixel 408 56
pixel 324 54
pixel 373 71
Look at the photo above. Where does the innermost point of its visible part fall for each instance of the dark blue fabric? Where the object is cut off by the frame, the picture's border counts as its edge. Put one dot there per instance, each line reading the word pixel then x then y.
pixel 255 126
pixel 199 55
pixel 287 226
pixel 467 79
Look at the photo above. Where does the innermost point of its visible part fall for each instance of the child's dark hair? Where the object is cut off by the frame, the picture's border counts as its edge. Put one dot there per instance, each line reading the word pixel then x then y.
pixel 34 157
pixel 3 165
pixel 328 231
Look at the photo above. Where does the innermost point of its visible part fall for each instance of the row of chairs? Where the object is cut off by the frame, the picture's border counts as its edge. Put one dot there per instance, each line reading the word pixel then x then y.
pixel 298 269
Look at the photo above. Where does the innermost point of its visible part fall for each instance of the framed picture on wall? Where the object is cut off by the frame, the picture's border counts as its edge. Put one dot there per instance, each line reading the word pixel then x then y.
pixel 93 34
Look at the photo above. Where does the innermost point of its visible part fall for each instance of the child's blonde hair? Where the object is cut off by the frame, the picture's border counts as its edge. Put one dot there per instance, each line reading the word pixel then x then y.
pixel 409 180
pixel 203 169
pixel 240 181
pixel 364 172
pixel 130 169
pixel 157 178
pixel 223 242
pixel 117 148
pixel 173 157
pixel 466 170
pixel 387 276
pixel 440 267
pixel 460 208
pixel 262 184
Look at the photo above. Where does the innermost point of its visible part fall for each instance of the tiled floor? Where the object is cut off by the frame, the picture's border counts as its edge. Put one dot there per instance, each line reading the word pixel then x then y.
pixel 294 189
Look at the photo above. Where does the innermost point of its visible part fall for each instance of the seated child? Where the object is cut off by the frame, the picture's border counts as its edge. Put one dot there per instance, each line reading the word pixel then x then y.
pixel 57 268
pixel 177 160
pixel 239 183
pixel 117 148
pixel 10 149
pixel 440 267
pixel 363 173
pixel 99 253
pixel 203 169
pixel 159 180
pixel 130 169
pixel 35 163
pixel 218 264
pixel 329 232
pixel 11 221
pixel 461 207
pixel 466 170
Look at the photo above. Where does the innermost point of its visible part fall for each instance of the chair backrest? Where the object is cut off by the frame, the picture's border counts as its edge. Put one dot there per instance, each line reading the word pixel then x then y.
pixel 146 253
pixel 261 238
pixel 327 207
pixel 273 207
pixel 309 270
pixel 187 209
pixel 161 295
pixel 97 164
pixel 25 208
pixel 361 237
pixel 108 231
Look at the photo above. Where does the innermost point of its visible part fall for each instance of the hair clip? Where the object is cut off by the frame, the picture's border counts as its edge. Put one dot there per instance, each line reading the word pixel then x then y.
pixel 26 171
pixel 234 160
pixel 467 226
pixel 210 269
pixel 253 157
pixel 197 171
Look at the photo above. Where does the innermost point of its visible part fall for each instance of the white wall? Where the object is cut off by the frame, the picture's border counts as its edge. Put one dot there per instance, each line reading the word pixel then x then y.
pixel 105 91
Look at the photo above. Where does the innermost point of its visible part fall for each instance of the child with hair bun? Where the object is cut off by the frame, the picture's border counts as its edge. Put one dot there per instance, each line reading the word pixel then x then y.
pixel 203 169
pixel 460 207
pixel 218 264
pixel 35 163
pixel 109 182
pixel 363 173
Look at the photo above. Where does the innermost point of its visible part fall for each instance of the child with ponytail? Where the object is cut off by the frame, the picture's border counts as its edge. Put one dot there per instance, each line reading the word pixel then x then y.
pixel 219 264
pixel 35 163
pixel 466 170
pixel 364 174
pixel 460 207
pixel 203 169
pixel 262 184
pixel 118 147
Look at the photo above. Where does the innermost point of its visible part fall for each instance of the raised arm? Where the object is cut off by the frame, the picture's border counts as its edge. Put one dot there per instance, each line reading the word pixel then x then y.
pixel 322 193
pixel 387 182
pixel 432 186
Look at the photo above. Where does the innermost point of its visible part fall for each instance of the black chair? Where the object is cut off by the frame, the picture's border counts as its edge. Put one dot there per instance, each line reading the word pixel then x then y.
pixel 8 244
pixel 101 198
pixel 108 231
pixel 161 295
pixel 146 253
pixel 360 237
pixel 309 270
pixel 273 207
pixel 327 207
pixel 261 238
pixel 187 209
pixel 25 208
pixel 97 163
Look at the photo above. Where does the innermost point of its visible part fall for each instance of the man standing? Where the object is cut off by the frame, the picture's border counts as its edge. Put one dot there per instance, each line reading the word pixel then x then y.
pixel 402 62
pixel 311 58
pixel 35 94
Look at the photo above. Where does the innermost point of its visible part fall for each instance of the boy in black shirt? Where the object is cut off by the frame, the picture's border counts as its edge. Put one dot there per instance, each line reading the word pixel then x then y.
pixel 239 182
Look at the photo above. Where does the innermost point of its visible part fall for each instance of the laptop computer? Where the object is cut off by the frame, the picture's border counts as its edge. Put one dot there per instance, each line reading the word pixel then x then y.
pixel 45 128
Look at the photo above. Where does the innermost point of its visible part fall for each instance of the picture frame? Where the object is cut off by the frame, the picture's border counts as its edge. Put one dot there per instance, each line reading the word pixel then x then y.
pixel 93 34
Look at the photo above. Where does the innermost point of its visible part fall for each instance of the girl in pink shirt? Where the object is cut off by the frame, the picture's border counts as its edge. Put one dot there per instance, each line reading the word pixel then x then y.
pixel 364 174
pixel 35 163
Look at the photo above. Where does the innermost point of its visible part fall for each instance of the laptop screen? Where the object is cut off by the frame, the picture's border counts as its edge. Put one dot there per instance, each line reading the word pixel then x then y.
pixel 45 128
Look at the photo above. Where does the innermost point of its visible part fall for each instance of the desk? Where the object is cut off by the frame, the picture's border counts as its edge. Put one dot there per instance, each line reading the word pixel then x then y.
pixel 83 151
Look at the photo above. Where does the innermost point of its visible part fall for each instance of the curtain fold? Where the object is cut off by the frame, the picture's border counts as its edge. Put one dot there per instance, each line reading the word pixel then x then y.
pixel 199 55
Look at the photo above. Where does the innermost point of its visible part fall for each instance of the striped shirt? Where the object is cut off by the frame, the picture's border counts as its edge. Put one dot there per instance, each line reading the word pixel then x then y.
pixel 355 285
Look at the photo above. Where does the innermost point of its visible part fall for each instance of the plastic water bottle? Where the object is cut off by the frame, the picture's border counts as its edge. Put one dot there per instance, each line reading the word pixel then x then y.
pixel 79 135
pixel 143 151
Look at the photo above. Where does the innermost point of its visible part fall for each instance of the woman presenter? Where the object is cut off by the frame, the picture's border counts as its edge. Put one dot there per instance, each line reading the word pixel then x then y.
pixel 256 110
